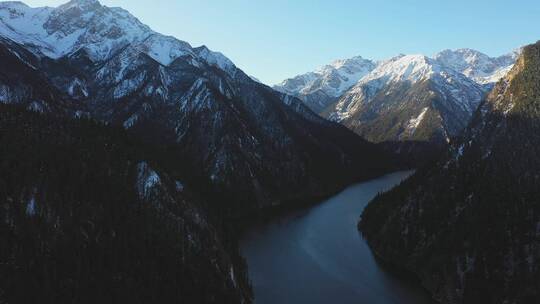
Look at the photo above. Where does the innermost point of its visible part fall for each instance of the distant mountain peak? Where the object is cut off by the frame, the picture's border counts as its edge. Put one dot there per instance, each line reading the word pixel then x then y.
pixel 477 65
pixel 340 63
pixel 321 87
pixel 81 4
pixel 324 86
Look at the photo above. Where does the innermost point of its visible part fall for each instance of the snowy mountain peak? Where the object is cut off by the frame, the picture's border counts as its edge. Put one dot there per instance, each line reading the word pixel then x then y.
pixel 333 79
pixel 320 88
pixel 345 63
pixel 403 68
pixel 101 31
pixel 477 65
pixel 216 59
pixel 392 78
pixel 82 4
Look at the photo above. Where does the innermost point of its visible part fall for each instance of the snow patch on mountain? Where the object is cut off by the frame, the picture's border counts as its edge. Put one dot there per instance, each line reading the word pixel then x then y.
pixel 131 121
pixel 415 122
pixel 165 49
pixel 31 207
pixel 147 179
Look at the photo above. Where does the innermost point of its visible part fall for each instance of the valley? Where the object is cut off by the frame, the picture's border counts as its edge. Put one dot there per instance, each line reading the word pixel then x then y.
pixel 138 168
pixel 316 255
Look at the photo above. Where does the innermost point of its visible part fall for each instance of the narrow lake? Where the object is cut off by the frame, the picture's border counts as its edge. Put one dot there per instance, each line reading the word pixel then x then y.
pixel 318 255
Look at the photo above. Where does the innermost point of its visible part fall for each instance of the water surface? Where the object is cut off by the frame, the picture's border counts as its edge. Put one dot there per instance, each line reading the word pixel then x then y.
pixel 318 256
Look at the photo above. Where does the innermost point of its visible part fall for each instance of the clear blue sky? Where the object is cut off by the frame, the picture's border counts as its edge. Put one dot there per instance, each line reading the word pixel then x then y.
pixel 276 39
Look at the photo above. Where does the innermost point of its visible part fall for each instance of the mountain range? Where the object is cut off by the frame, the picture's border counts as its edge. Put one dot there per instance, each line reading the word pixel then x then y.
pixel 412 100
pixel 104 64
pixel 142 157
pixel 130 162
pixel 334 80
pixel 468 226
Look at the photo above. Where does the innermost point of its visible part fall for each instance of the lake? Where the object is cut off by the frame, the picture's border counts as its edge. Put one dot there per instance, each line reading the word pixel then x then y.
pixel 318 255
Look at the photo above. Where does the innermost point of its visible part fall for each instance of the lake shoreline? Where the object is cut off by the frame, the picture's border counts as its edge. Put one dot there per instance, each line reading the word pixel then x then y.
pixel 317 255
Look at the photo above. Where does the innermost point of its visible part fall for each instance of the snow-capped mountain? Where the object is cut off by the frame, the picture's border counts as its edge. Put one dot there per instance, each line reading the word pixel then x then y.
pixel 476 65
pixel 100 31
pixel 317 89
pixel 406 98
pixel 253 145
pixel 409 97
pixel 468 225
pixel 320 88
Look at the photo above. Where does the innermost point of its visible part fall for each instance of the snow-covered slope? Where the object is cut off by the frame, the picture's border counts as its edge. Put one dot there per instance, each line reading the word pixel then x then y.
pixel 408 101
pixel 476 65
pixel 409 69
pixel 99 30
pixel 409 97
pixel 318 89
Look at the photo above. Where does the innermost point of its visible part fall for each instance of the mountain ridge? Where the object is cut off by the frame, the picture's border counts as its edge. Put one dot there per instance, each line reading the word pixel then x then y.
pixel 412 105
pixel 122 73
pixel 468 225
pixel 317 89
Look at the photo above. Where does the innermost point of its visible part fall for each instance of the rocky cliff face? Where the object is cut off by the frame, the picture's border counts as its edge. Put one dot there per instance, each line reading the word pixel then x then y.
pixel 468 227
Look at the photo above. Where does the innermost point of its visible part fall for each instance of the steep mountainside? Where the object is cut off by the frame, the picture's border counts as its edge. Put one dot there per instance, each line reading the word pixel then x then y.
pixel 92 216
pixel 469 226
pixel 321 88
pixel 412 104
pixel 409 99
pixel 253 146
pixel 21 84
